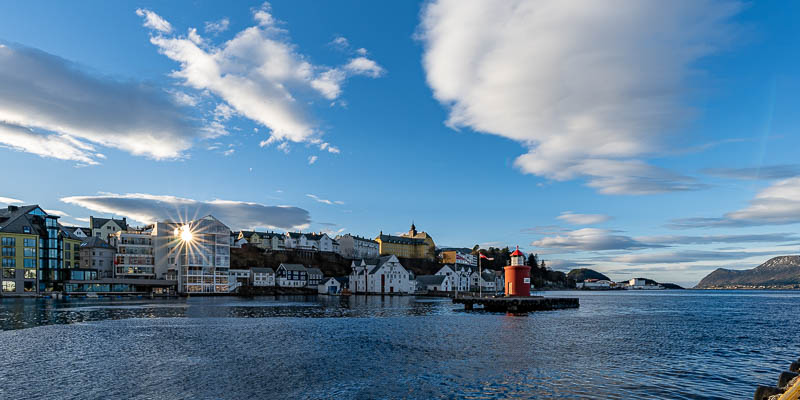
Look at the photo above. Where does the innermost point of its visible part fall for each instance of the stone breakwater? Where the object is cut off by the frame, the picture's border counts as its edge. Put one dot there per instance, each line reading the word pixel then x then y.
pixel 788 386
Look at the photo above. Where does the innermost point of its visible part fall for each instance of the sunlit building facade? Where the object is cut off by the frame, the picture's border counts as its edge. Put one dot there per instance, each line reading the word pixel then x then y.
pixel 197 255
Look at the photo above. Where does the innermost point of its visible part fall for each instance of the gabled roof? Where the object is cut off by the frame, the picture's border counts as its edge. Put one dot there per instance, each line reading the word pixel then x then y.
pixel 430 279
pixel 98 222
pixel 246 234
pixel 344 280
pixel 293 267
pixel 262 270
pixel 96 243
pixel 315 236
pixel 13 219
pixel 324 281
pixel 295 235
pixel 314 271
pixel 75 229
pixel 358 263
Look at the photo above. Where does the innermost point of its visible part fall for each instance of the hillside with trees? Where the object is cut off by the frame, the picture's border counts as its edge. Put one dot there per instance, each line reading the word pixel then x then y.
pixel 582 274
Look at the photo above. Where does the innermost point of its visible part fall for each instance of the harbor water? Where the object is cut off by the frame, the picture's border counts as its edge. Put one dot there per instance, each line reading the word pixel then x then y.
pixel 622 344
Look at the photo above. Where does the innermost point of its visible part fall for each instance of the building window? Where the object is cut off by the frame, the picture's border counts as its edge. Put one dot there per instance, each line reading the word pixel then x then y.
pixel 9 286
pixel 9 263
pixel 26 229
pixel 30 274
pixel 29 263
pixel 29 252
pixel 29 242
pixel 9 251
pixel 8 241
pixel 9 273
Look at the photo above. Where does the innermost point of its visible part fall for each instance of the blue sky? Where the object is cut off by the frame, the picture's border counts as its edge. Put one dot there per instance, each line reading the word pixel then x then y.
pixel 640 138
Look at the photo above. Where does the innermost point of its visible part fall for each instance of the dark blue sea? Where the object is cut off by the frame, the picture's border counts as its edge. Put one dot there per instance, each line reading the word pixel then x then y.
pixel 631 345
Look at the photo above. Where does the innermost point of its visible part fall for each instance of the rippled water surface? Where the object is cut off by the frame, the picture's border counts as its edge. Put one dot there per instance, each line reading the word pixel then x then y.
pixel 653 345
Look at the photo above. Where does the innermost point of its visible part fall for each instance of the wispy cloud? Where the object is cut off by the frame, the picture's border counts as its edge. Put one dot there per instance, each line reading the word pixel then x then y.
pixel 767 172
pixel 778 204
pixel 312 160
pixel 585 92
pixel 709 239
pixel 148 208
pixel 217 27
pixel 154 21
pixel 325 201
pixel 9 200
pixel 583 219
pixel 684 256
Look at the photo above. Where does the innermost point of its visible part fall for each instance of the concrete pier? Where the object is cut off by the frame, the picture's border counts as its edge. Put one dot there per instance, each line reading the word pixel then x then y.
pixel 517 304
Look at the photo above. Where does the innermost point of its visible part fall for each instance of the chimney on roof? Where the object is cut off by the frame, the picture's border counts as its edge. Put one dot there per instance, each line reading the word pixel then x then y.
pixel 12 208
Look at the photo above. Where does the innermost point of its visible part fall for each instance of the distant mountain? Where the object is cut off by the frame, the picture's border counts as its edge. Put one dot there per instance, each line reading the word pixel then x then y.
pixel 582 274
pixel 777 271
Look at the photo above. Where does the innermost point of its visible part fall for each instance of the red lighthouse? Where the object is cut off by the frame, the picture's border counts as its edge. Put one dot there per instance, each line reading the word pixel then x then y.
pixel 518 276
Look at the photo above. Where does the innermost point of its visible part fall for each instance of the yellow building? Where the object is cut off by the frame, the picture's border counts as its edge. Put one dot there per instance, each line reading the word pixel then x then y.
pixel 36 253
pixel 408 245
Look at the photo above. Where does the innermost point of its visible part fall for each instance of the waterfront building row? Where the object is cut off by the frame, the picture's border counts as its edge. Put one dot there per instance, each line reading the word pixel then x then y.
pixel 413 244
pixel 40 256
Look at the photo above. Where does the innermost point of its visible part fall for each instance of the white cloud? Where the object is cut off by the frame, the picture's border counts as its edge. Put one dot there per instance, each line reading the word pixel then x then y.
pixel 583 219
pixel 57 212
pixel 53 108
pixel 154 21
pixel 9 200
pixel 590 239
pixel 228 152
pixel 340 42
pixel 312 160
pixel 149 208
pixel 86 220
pixel 361 51
pixel 62 147
pixel 223 112
pixel 184 99
pixel 217 27
pixel 364 66
pixel 778 204
pixel 324 201
pixel 590 88
pixel 260 74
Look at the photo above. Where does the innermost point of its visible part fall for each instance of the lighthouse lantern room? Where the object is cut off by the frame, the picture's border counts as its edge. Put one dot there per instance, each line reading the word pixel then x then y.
pixel 518 276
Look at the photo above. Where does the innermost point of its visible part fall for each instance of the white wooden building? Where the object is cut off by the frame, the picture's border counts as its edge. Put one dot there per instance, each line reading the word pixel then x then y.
pixel 386 276
pixel 263 277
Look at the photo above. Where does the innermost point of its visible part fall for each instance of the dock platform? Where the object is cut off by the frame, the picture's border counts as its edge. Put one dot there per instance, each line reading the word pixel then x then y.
pixel 517 304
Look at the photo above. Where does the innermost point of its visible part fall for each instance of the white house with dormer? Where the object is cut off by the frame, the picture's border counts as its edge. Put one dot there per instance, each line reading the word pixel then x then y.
pixel 387 276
